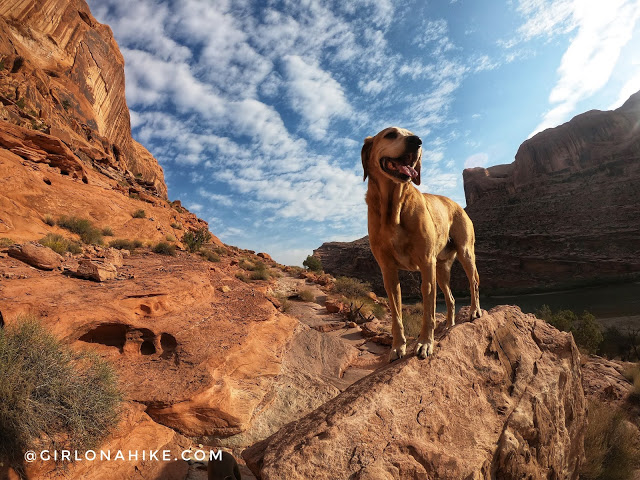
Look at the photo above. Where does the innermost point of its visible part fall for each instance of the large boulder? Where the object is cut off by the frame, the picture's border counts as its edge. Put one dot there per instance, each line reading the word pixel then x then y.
pixel 500 398
pixel 36 255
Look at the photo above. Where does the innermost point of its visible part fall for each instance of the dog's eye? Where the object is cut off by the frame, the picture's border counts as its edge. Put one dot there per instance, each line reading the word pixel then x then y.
pixel 391 134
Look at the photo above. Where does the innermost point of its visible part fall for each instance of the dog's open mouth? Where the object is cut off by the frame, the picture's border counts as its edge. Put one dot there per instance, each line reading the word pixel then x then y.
pixel 400 167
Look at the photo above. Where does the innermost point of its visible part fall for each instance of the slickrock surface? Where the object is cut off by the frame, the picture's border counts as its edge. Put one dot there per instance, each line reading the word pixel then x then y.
pixel 500 398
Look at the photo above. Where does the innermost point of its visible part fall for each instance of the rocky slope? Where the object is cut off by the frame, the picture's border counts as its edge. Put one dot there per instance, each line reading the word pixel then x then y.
pixel 565 212
pixel 500 398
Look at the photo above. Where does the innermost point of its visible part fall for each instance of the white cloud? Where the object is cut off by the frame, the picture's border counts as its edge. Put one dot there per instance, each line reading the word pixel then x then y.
pixel 476 160
pixel 602 30
pixel 629 88
pixel 195 207
pixel 314 94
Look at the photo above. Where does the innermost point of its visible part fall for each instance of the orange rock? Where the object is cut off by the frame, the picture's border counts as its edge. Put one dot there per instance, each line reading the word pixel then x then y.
pixel 480 407
pixel 36 255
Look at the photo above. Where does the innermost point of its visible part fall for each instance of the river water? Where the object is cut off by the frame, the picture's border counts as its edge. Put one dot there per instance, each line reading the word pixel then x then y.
pixel 618 301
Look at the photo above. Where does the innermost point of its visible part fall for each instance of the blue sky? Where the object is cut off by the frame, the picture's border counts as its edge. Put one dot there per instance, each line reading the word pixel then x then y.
pixel 257 110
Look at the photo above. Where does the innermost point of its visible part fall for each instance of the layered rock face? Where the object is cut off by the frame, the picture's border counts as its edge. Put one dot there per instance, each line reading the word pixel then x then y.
pixel 61 73
pixel 565 212
pixel 500 398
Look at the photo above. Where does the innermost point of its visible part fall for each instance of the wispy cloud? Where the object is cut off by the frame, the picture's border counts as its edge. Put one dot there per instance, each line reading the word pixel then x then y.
pixel 314 94
pixel 601 30
pixel 477 160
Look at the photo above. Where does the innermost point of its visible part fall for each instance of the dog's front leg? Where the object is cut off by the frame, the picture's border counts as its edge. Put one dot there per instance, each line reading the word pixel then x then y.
pixel 392 286
pixel 425 340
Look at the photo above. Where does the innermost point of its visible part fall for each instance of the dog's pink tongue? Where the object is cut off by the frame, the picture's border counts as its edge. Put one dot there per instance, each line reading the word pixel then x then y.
pixel 408 171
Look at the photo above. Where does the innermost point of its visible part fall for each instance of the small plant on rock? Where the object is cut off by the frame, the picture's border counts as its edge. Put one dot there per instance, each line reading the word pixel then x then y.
pixel 313 263
pixel 139 214
pixel 165 248
pixel 194 239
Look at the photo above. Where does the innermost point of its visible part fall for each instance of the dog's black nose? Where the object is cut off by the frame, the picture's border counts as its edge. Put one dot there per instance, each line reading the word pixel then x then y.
pixel 414 140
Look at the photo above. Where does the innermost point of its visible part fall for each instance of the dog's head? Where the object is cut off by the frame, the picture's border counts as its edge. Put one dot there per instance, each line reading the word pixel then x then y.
pixel 395 153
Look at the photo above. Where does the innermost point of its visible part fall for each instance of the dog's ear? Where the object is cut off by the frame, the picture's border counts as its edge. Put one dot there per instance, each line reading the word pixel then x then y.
pixel 366 150
pixel 417 168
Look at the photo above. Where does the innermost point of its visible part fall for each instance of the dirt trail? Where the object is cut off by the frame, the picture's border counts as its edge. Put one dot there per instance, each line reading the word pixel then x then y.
pixel 314 314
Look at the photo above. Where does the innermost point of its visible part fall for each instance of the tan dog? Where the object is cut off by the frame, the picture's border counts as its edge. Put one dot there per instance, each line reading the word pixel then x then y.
pixel 409 230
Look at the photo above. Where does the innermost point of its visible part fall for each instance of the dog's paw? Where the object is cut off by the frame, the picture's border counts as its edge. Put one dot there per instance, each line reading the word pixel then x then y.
pixel 397 353
pixel 477 313
pixel 423 350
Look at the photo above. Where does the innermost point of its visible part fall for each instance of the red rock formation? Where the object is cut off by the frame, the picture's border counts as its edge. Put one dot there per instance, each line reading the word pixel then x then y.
pixel 500 398
pixel 62 73
pixel 567 210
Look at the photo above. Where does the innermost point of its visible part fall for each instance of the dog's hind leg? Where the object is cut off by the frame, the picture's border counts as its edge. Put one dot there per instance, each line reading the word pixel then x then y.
pixel 425 340
pixel 467 258
pixel 392 287
pixel 443 274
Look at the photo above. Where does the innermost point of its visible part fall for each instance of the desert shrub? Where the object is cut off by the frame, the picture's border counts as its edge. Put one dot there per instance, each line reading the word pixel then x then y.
pixel 209 255
pixel 60 244
pixel 312 263
pixel 49 220
pixel 5 242
pixel 125 244
pixel 260 275
pixel 194 239
pixel 107 232
pixel 285 303
pixel 176 226
pixel 242 276
pixel 610 446
pixel 170 238
pixel 586 331
pixel 623 344
pixel 632 374
pixel 306 295
pixel 351 287
pixel 140 213
pixel 164 248
pixel 412 319
pixel 52 397
pixel 83 227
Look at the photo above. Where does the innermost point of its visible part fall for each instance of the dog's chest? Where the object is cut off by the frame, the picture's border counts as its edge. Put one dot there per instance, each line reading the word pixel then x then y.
pixel 393 246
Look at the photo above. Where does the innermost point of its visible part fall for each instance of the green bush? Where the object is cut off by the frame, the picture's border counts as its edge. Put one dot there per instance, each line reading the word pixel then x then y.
pixel 351 287
pixel 49 220
pixel 194 239
pixel 164 248
pixel 312 263
pixel 306 295
pixel 176 226
pixel 209 255
pixel 83 227
pixel 139 214
pixel 125 244
pixel 242 276
pixel 52 397
pixel 412 319
pixel 586 331
pixel 260 275
pixel 59 244
pixel 6 242
pixel 610 448
pixel 170 238
pixel 107 232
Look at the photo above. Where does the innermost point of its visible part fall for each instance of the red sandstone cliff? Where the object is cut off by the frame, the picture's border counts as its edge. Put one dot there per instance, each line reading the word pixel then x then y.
pixel 61 73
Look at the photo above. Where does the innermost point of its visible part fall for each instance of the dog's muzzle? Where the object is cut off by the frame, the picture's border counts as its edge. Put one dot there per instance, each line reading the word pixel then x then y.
pixel 401 167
